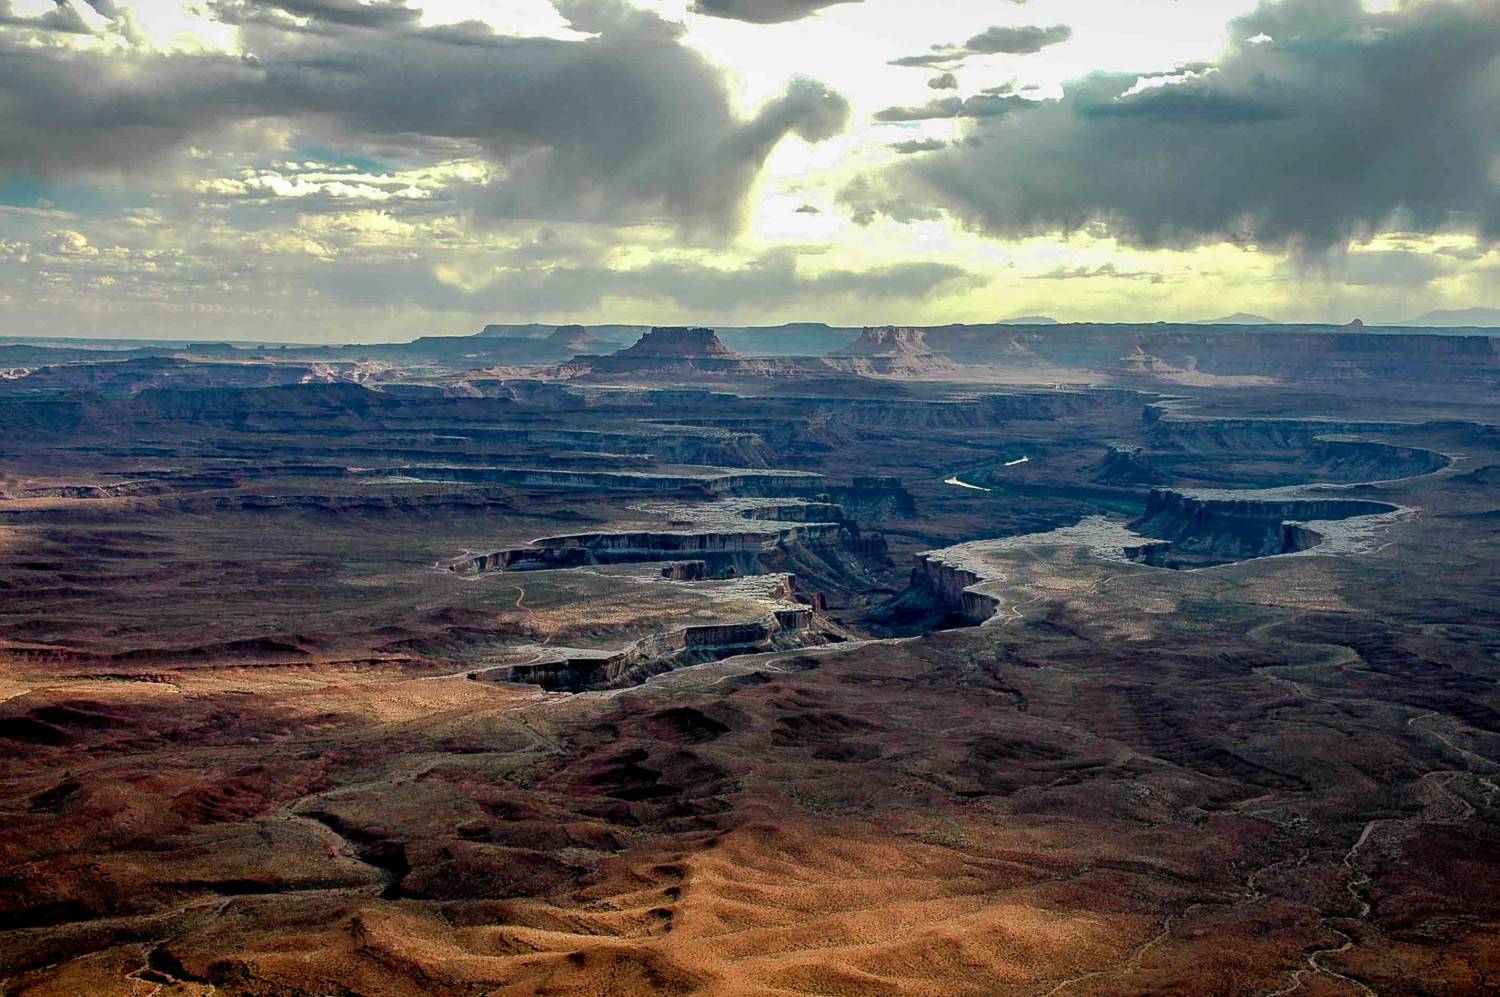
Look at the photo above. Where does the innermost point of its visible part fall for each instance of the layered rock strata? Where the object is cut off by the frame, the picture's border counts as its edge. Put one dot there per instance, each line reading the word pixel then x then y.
pixel 779 630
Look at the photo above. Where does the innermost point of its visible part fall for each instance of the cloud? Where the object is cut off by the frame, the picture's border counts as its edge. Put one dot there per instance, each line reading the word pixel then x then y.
pixel 981 106
pixel 918 145
pixel 625 126
pixel 1009 87
pixel 1103 270
pixel 66 242
pixel 946 81
pixel 1025 40
pixel 871 195
pixel 998 40
pixel 1390 268
pixel 271 184
pixel 1321 123
pixel 350 13
pixel 940 57
pixel 773 280
pixel 62 18
pixel 763 11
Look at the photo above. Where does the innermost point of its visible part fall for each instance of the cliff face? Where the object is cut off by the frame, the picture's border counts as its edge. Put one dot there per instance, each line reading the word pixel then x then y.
pixel 709 541
pixel 725 553
pixel 949 587
pixel 1218 529
pixel 1240 436
pixel 1263 453
pixel 686 571
pixel 1188 508
pixel 802 512
pixel 1363 460
pixel 1127 465
pixel 779 630
pixel 875 498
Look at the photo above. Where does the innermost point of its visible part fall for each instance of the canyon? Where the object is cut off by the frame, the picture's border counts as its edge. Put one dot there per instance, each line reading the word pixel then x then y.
pixel 967 659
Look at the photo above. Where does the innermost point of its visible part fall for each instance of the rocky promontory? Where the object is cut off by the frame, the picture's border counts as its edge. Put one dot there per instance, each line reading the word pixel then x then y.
pixel 889 349
pixel 677 342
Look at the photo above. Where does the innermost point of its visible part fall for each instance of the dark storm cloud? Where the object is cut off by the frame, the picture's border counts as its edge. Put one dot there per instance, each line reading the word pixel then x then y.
pixel 350 13
pixel 771 280
pixel 763 11
pixel 1321 123
pixel 946 107
pixel 917 145
pixel 627 125
pixel 1180 105
pixel 1023 40
pixel 981 106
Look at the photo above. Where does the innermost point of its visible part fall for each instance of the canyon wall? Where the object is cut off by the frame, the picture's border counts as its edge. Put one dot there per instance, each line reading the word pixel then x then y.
pixel 949 586
pixel 778 630
pixel 1220 527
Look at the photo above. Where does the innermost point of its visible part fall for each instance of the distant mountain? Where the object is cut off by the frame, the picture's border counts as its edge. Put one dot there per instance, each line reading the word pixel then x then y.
pixel 1031 320
pixel 1239 318
pixel 1452 318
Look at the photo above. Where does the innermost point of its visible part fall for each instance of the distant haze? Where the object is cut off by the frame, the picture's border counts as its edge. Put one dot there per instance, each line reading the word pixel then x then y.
pixel 1239 318
pixel 1456 317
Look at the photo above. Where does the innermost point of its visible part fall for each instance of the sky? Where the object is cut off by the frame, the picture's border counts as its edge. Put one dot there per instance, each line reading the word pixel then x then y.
pixel 374 170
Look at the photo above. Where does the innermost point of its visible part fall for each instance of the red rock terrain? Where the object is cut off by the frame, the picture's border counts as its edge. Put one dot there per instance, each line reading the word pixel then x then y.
pixel 257 737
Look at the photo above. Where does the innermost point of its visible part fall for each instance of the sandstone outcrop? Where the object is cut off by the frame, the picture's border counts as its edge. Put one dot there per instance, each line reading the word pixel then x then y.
pixel 679 352
pixel 571 340
pixel 685 571
pixel 951 586
pixel 679 342
pixel 889 350
pixel 1126 464
pixel 886 341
